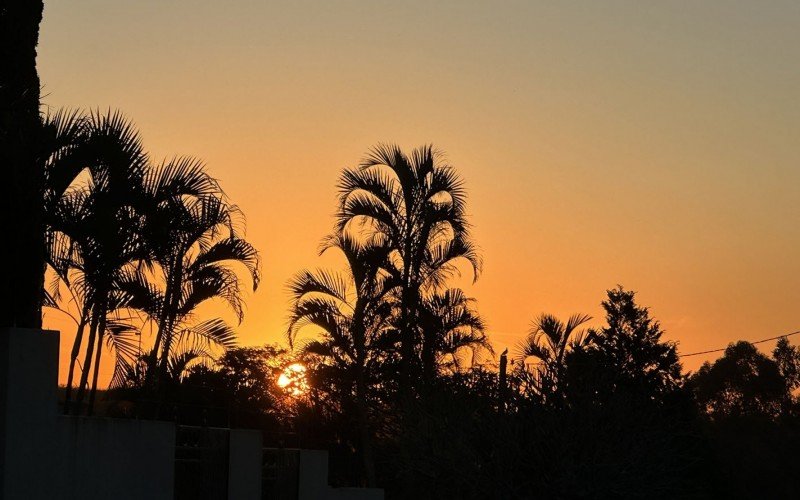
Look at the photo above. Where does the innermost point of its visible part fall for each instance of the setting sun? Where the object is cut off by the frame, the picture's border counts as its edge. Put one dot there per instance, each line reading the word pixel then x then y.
pixel 293 379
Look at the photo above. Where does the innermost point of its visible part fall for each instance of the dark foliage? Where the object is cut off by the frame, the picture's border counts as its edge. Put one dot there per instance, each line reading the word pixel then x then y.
pixel 628 353
pixel 743 383
pixel 21 205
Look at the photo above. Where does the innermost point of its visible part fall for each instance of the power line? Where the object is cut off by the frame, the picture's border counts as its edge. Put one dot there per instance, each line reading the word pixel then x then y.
pixel 711 351
pixel 754 343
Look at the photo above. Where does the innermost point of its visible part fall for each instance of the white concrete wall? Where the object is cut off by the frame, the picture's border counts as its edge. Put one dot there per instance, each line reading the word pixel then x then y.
pixel 312 480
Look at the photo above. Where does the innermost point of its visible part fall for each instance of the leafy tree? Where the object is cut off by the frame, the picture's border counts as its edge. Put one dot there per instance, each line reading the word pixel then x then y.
pixel 242 380
pixel 625 428
pixel 627 354
pixel 743 382
pixel 787 357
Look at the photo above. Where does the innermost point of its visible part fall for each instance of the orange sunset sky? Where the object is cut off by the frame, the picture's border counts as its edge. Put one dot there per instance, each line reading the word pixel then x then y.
pixel 651 144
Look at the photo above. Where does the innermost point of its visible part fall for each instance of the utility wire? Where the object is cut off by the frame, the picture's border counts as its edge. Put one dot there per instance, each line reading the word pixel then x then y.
pixel 754 343
pixel 711 351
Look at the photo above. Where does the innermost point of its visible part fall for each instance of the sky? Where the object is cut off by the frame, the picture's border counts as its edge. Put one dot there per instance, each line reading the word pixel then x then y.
pixel 648 144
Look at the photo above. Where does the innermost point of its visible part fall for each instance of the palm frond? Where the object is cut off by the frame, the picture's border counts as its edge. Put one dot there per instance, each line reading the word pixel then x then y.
pixel 124 340
pixel 178 177
pixel 319 282
pixel 215 331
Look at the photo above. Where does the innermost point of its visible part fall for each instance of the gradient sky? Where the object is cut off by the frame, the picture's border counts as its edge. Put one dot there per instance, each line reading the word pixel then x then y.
pixel 651 144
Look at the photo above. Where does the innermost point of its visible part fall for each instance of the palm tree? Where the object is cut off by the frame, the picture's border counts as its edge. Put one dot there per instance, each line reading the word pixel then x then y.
pixel 548 341
pixel 416 205
pixel 451 323
pixel 192 350
pixel 352 311
pixel 123 228
pixel 195 244
pixel 93 225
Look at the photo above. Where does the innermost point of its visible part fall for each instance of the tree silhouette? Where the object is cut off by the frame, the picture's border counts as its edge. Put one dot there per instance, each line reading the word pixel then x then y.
pixel 416 205
pixel 352 314
pixel 549 341
pixel 124 235
pixel 627 354
pixel 21 207
pixel 94 229
pixel 195 244
pixel 450 323
pixel 787 357
pixel 243 380
pixel 743 382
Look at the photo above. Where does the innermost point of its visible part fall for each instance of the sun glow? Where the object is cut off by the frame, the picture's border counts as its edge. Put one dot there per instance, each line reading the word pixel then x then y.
pixel 293 380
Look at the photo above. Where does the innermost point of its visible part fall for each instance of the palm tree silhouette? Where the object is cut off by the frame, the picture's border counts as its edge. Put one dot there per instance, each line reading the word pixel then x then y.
pixel 451 323
pixel 124 235
pixel 416 205
pixel 195 243
pixel 549 340
pixel 352 312
pixel 63 141
pixel 94 225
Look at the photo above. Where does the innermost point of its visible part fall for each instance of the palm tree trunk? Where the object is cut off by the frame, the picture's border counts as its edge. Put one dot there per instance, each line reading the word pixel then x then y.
pixel 153 365
pixel 163 337
pixel 502 388
pixel 170 312
pixel 161 324
pixel 428 356
pixel 76 347
pixel 362 414
pixel 365 441
pixel 407 337
pixel 22 206
pixel 87 360
pixel 101 334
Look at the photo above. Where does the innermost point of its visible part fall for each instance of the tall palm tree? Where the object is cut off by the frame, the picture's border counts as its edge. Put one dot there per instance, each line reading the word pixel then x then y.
pixel 195 245
pixel 549 341
pixel 94 224
pixel 416 205
pixel 351 311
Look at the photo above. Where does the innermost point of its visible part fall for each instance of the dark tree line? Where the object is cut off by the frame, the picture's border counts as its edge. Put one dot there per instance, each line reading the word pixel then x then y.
pixel 599 412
